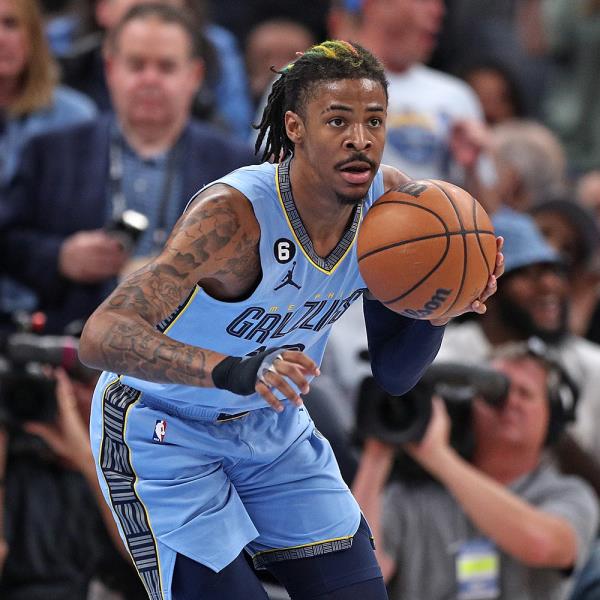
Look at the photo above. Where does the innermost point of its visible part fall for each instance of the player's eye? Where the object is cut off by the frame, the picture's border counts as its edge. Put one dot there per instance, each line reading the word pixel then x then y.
pixel 336 122
pixel 375 122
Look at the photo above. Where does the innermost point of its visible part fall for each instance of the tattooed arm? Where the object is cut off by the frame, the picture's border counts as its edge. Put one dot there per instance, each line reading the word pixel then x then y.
pixel 215 244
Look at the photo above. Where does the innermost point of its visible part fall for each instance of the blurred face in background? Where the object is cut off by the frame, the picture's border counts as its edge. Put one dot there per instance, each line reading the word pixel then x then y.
pixel 495 94
pixel 522 421
pixel 109 12
pixel 152 73
pixel 409 29
pixel 14 40
pixel 273 44
pixel 533 300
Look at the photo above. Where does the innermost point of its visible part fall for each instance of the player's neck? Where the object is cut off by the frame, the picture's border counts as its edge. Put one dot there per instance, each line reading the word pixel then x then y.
pixel 149 140
pixel 323 216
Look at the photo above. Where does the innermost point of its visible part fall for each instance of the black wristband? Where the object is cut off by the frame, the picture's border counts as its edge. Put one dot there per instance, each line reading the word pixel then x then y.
pixel 239 375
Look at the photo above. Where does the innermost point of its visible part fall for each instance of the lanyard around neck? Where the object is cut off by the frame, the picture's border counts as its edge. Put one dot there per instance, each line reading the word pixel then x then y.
pixel 117 195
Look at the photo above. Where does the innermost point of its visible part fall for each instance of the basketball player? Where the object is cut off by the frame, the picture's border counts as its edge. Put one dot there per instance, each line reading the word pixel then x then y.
pixel 205 342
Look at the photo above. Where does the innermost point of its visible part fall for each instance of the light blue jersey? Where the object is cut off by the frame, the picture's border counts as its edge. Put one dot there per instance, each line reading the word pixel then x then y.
pixel 205 473
pixel 298 299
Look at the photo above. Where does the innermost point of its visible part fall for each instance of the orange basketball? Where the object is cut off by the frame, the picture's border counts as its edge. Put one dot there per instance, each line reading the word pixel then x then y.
pixel 426 249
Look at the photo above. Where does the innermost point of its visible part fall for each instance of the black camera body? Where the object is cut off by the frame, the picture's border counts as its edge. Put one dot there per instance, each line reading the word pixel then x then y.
pixel 27 390
pixel 402 419
pixel 128 227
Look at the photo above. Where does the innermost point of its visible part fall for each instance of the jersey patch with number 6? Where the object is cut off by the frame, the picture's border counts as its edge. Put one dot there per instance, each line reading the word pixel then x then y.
pixel 284 250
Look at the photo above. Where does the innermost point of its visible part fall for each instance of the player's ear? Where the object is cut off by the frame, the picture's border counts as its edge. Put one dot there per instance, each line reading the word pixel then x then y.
pixel 294 126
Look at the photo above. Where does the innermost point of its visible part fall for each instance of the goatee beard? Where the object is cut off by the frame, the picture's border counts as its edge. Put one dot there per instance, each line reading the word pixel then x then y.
pixel 521 321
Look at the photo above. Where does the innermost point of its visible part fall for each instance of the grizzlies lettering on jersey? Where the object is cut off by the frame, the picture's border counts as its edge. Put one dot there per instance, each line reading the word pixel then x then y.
pixel 295 304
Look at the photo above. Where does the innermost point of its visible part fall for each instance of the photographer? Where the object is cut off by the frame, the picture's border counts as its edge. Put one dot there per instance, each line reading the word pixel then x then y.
pixel 503 525
pixel 56 531
pixel 74 187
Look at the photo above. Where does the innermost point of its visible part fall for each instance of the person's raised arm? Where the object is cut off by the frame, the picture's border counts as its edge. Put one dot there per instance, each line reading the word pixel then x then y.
pixel 214 245
pixel 529 534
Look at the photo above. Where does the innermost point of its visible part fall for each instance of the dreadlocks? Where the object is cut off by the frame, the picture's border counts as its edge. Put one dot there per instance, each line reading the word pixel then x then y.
pixel 329 61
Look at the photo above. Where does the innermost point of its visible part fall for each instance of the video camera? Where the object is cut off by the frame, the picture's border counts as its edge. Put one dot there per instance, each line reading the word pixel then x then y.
pixel 27 391
pixel 401 419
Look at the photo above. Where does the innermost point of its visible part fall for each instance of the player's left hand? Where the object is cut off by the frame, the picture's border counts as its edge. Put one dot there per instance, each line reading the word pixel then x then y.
pixel 478 306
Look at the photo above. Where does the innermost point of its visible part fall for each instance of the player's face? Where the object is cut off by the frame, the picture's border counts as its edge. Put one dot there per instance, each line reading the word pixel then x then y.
pixel 152 75
pixel 342 136
pixel 523 419
pixel 14 45
pixel 534 301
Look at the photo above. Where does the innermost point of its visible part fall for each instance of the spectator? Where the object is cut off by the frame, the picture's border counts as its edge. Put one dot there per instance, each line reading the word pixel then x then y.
pixel 501 30
pixel 60 535
pixel 435 125
pixel 505 525
pixel 496 89
pixel 30 101
pixel 572 231
pixel 532 299
pixel 223 97
pixel 530 163
pixel 150 157
pixel 271 45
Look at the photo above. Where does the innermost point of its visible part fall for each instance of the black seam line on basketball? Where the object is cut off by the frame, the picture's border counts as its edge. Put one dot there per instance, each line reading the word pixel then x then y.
pixel 479 239
pixel 464 273
pixel 424 278
pixel 423 238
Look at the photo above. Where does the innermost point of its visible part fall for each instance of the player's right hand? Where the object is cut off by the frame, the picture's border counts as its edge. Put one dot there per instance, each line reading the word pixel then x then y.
pixel 288 365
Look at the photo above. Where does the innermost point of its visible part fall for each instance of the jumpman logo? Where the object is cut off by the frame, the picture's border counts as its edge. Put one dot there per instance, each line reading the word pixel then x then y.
pixel 288 279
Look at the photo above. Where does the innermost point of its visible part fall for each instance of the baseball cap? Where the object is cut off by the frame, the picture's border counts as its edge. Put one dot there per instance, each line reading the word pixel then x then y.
pixel 524 245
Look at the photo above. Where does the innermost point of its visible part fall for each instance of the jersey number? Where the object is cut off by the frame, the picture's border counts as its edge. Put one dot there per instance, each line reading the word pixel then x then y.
pixel 284 250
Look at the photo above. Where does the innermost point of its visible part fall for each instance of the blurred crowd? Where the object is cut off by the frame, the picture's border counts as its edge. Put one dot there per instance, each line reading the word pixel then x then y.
pixel 113 113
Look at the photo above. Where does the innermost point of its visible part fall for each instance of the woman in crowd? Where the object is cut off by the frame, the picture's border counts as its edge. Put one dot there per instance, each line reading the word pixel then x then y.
pixel 31 102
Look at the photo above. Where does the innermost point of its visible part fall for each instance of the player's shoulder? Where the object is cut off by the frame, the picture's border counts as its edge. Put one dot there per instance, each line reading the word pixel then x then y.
pixel 227 207
pixel 393 178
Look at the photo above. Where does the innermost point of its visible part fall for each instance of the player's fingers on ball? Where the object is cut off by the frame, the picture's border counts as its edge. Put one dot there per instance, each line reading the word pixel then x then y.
pixel 491 288
pixel 499 243
pixel 265 391
pixel 479 307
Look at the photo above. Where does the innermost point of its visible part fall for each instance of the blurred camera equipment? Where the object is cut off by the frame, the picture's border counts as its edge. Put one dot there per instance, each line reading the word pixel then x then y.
pixel 127 227
pixel 27 391
pixel 401 419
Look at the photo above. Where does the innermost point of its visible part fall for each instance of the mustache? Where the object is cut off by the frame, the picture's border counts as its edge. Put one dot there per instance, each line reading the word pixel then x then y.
pixel 358 157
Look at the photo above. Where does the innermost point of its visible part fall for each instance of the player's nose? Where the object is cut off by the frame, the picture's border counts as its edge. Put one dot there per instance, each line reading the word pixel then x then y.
pixel 358 139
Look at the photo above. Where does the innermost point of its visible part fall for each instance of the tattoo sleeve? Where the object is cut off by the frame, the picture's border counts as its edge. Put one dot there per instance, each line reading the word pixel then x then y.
pixel 208 242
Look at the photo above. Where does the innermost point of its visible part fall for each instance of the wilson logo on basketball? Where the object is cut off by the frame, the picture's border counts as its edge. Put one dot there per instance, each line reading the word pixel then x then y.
pixel 435 302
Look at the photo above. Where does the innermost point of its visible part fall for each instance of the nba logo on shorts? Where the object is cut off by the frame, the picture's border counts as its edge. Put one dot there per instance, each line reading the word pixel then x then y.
pixel 160 429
